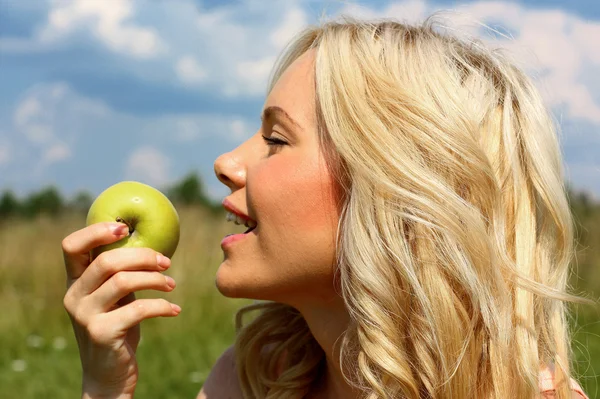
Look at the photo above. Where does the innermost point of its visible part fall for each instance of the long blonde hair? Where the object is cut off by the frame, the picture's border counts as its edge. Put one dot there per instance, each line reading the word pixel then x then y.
pixel 456 235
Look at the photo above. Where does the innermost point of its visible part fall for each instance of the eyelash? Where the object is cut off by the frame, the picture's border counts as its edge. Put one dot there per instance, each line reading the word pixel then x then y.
pixel 273 142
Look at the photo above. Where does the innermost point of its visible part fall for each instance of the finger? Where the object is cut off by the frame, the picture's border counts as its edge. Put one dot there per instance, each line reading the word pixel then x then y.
pixel 80 311
pixel 123 283
pixel 77 245
pixel 117 260
pixel 118 321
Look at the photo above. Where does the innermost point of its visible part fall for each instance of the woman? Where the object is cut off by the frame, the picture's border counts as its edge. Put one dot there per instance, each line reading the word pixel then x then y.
pixel 413 233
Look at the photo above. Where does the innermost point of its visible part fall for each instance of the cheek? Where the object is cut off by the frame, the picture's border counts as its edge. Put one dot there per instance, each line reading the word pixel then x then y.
pixel 294 252
pixel 294 196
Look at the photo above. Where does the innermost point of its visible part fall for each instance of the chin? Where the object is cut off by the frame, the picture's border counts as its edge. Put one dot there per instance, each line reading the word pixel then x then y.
pixel 238 287
pixel 226 288
pixel 233 286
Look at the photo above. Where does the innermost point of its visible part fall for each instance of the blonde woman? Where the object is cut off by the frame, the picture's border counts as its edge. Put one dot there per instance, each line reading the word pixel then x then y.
pixel 413 234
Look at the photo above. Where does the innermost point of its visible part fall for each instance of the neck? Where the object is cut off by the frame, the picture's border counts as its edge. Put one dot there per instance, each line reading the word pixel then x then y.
pixel 327 321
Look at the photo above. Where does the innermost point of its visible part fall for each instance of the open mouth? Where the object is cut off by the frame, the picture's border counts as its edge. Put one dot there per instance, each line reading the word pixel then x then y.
pixel 251 224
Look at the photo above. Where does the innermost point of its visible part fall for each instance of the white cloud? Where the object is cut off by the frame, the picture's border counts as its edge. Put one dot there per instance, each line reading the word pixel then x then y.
pixel 238 44
pixel 109 21
pixel 234 45
pixel 36 119
pixel 86 134
pixel 253 74
pixel 44 116
pixel 239 130
pixel 47 121
pixel 188 129
pixel 5 152
pixel 293 21
pixel 411 11
pixel 28 109
pixel 28 112
pixel 190 71
pixel 56 153
pixel 38 133
pixel 148 165
pixel 53 113
pixel 553 41
pixel 587 37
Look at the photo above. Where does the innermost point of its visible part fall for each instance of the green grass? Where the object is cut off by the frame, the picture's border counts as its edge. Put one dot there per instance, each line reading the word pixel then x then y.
pixel 586 350
pixel 38 352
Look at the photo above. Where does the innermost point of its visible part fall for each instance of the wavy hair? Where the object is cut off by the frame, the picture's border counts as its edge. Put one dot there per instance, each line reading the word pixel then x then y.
pixel 456 235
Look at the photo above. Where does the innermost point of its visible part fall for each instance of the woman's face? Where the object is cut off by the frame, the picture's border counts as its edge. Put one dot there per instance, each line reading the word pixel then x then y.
pixel 288 190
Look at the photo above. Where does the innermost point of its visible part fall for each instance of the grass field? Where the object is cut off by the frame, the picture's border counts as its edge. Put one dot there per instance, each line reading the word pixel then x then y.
pixel 38 352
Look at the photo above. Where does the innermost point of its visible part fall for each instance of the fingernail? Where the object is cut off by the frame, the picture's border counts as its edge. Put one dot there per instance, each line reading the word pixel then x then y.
pixel 163 261
pixel 176 308
pixel 119 229
pixel 170 281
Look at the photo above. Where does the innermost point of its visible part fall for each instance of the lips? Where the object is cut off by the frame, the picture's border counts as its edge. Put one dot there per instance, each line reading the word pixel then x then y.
pixel 250 229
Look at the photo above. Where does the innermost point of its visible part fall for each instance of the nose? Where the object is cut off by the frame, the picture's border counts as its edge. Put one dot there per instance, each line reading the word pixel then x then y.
pixel 230 170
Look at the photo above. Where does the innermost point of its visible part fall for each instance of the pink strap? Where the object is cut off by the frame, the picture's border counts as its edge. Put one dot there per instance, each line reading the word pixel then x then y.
pixel 547 383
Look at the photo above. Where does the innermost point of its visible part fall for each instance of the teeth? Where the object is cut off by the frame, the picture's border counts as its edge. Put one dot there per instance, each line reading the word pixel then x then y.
pixel 231 217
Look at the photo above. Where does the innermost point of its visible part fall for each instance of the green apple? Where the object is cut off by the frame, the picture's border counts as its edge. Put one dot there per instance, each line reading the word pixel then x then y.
pixel 152 219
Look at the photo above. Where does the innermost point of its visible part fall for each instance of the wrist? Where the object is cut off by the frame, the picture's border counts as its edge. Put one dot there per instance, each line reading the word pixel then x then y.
pixel 93 391
pixel 102 395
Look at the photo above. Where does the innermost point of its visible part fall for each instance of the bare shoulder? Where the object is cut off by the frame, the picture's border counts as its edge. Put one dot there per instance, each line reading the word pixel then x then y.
pixel 222 382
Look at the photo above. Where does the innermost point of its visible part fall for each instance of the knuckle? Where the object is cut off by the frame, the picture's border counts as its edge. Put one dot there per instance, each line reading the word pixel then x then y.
pixel 67 245
pixel 67 302
pixel 142 256
pixel 164 304
pixel 149 256
pixel 120 281
pixel 97 330
pixel 78 316
pixel 106 262
pixel 141 309
pixel 160 278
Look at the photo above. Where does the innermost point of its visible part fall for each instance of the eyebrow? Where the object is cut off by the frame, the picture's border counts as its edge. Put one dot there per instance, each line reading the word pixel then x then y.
pixel 272 111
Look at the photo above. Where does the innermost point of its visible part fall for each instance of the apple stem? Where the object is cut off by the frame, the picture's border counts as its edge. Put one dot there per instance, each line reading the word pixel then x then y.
pixel 121 220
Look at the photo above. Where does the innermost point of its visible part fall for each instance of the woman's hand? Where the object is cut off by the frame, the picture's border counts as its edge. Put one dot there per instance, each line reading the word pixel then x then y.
pixel 101 303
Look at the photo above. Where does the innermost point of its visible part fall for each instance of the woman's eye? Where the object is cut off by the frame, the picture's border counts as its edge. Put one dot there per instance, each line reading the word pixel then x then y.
pixel 273 142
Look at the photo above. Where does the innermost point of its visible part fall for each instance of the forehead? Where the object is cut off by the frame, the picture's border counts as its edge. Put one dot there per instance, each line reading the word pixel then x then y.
pixel 294 90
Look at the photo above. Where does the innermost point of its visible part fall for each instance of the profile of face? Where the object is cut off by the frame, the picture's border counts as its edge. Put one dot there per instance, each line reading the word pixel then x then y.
pixel 289 191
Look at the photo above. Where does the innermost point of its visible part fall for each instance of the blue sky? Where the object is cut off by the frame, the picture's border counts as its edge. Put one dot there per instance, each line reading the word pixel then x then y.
pixel 93 92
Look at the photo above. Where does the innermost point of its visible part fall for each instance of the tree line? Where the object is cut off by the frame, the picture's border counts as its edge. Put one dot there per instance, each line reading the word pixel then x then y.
pixel 189 190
